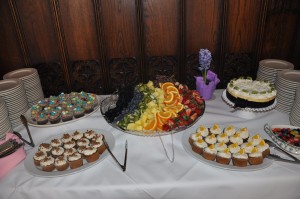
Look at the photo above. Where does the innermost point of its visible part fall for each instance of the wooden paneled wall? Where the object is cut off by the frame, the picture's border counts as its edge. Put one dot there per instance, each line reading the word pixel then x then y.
pixel 98 45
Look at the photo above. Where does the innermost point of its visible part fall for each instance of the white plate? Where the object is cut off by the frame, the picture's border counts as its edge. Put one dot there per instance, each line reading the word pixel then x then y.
pixel 186 145
pixel 31 168
pixel 32 123
pixel 276 64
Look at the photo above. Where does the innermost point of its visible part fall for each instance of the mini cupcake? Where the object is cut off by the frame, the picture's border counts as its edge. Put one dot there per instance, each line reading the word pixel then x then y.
pixel 215 129
pixel 43 103
pixel 210 152
pixel 78 112
pixel 73 94
pixel 34 114
pixel 58 109
pixel 80 150
pixel 194 137
pixel 88 107
pixel 83 142
pixel 248 147
pixel 93 99
pixel 79 103
pixel 211 139
pixel 47 110
pixel 83 95
pixel 203 131
pixel 255 157
pixel 98 138
pixel 99 146
pixel 56 142
pixel 221 146
pixel 69 152
pixel 240 158
pixel 70 108
pixel 66 116
pixel 57 151
pixel 54 117
pixel 38 157
pixel 70 144
pixel 53 103
pixel 91 154
pixel 77 135
pixel 234 148
pixel 255 139
pixel 47 164
pixel 75 160
pixel 199 145
pixel 66 138
pixel 46 148
pixel 41 118
pixel 53 98
pixel 229 130
pixel 236 138
pixel 61 163
pixel 224 157
pixel 244 133
pixel 223 138
pixel 89 134
pixel 264 148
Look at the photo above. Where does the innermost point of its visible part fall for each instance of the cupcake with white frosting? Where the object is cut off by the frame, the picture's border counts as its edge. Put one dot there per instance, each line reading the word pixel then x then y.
pixel 220 146
pixel 203 131
pixel 99 146
pixel 223 157
pixel 77 135
pixel 46 148
pixel 255 157
pixel 236 138
pixel 215 129
pixel 61 163
pixel 223 138
pixel 89 134
pixel 70 144
pixel 255 139
pixel 210 152
pixel 198 146
pixel 56 142
pixel 247 146
pixel 75 160
pixel 240 158
pixel 244 133
pixel 47 164
pixel 66 138
pixel 211 139
pixel 194 137
pixel 69 152
pixel 97 138
pixel 91 154
pixel 234 148
pixel 57 151
pixel 83 142
pixel 38 157
pixel 264 148
pixel 229 130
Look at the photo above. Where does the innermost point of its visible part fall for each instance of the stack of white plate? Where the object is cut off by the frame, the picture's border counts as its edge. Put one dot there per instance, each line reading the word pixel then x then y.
pixel 13 93
pixel 268 69
pixel 32 83
pixel 295 112
pixel 4 119
pixel 286 83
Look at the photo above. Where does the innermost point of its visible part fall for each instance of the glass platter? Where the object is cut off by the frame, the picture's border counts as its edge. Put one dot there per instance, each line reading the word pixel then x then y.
pixel 186 145
pixel 32 123
pixel 110 102
pixel 31 168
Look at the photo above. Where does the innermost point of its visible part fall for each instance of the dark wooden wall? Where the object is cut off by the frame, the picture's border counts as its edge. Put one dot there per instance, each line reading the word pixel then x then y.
pixel 98 45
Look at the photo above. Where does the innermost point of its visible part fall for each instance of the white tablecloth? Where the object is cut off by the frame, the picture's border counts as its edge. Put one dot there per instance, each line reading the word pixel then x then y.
pixel 150 174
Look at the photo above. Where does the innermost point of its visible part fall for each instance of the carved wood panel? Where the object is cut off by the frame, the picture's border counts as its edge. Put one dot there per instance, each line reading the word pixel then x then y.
pixel 164 65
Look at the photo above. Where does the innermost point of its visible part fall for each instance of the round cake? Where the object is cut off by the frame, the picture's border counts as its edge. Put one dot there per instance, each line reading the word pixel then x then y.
pixel 245 92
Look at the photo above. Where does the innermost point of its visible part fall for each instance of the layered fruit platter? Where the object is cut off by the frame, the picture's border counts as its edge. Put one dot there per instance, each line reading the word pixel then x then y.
pixel 153 108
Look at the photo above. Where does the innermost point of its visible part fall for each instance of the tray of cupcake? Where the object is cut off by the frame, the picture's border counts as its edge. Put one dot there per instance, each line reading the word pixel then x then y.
pixel 70 152
pixel 61 109
pixel 229 148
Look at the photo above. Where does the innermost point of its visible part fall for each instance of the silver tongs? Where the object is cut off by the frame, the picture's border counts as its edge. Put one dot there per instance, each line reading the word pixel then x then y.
pixel 123 167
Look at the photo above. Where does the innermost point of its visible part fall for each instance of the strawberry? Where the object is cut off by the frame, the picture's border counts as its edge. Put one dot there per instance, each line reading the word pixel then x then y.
pixel 198 111
pixel 194 116
pixel 166 127
pixel 188 111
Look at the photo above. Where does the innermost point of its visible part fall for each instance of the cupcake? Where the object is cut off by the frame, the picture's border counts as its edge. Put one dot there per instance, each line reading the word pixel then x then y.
pixel 236 138
pixel 248 147
pixel 240 158
pixel 264 148
pixel 203 131
pixel 244 133
pixel 46 148
pixel 255 157
pixel 91 154
pixel 83 142
pixel 43 103
pixel 80 150
pixel 215 129
pixel 41 118
pixel 98 138
pixel 199 145
pixel 99 146
pixel 47 110
pixel 38 157
pixel 83 95
pixel 57 151
pixel 73 94
pixel 58 109
pixel 53 98
pixel 56 142
pixel 75 160
pixel 229 130
pixel 93 99
pixel 33 114
pixel 54 117
pixel 70 108
pixel 47 164
pixel 53 103
pixel 77 135
pixel 78 112
pixel 194 137
pixel 70 144
pixel 66 138
pixel 223 138
pixel 210 152
pixel 255 139
pixel 221 146
pixel 61 164
pixel 88 107
pixel 211 139
pixel 69 152
pixel 89 134
pixel 224 157
pixel 234 148
pixel 66 116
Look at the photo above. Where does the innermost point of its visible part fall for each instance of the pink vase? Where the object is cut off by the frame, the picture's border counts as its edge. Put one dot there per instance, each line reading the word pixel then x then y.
pixel 206 91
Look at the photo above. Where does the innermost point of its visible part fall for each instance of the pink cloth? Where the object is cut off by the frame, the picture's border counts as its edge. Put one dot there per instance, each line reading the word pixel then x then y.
pixel 9 162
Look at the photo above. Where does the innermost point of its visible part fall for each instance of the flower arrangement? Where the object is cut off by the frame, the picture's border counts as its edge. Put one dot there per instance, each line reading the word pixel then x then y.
pixel 204 62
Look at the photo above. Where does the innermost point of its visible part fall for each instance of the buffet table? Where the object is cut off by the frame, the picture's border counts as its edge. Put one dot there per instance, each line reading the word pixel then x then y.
pixel 150 174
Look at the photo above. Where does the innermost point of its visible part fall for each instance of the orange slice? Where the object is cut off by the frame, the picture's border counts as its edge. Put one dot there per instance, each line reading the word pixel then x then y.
pixel 151 126
pixel 171 109
pixel 172 89
pixel 173 103
pixel 164 116
pixel 169 98
pixel 179 107
pixel 165 85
